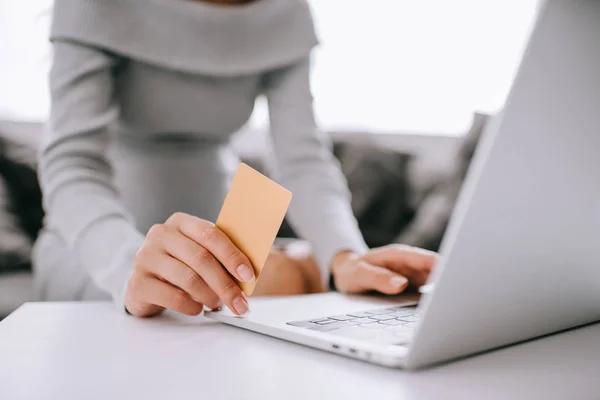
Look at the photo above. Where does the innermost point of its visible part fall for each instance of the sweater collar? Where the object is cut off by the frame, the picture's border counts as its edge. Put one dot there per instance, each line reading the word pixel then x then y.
pixel 191 36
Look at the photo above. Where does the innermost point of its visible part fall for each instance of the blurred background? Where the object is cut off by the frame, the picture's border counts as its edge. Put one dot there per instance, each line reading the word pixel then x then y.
pixel 426 78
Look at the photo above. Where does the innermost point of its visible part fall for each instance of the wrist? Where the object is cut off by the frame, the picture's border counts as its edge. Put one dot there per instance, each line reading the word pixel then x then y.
pixel 338 261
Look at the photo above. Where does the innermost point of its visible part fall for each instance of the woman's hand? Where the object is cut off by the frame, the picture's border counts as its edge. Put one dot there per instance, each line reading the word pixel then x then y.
pixel 184 264
pixel 389 269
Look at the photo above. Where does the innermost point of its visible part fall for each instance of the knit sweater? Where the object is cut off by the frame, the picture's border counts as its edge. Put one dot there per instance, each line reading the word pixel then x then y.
pixel 145 95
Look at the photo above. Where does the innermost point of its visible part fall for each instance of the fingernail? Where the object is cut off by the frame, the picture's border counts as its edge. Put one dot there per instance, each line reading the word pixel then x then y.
pixel 398 281
pixel 240 305
pixel 246 273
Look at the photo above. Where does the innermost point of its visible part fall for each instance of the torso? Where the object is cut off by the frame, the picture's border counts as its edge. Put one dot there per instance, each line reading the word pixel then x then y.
pixel 187 78
pixel 170 150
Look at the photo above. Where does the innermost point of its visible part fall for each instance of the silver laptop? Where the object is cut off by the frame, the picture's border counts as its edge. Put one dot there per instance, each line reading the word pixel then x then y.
pixel 521 256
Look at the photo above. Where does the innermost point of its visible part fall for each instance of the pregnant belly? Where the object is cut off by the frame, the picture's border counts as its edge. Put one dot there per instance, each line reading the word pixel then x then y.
pixel 157 178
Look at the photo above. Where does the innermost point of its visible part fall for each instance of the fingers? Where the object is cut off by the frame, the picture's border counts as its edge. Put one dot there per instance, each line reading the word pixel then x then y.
pixel 201 261
pixel 216 242
pixel 178 274
pixel 156 292
pixel 411 262
pixel 173 271
pixel 381 279
pixel 363 277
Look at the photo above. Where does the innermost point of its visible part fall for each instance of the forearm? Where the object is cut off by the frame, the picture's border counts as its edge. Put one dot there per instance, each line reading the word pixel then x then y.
pixel 287 274
pixel 83 208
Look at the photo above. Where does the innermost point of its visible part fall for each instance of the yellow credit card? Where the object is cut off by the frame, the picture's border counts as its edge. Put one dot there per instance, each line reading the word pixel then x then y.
pixel 251 216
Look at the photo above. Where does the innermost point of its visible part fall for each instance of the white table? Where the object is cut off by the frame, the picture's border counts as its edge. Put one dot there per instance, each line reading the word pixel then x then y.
pixel 90 351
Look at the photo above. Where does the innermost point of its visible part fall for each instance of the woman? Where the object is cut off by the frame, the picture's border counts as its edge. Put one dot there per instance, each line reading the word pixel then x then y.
pixel 136 162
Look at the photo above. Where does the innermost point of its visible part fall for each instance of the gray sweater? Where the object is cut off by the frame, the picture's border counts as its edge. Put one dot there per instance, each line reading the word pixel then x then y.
pixel 145 95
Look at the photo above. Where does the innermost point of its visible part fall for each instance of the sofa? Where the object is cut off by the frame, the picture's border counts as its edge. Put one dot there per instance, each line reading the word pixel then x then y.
pixel 20 220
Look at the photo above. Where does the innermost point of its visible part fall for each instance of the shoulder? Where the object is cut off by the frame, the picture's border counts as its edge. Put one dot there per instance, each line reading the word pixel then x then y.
pixel 191 36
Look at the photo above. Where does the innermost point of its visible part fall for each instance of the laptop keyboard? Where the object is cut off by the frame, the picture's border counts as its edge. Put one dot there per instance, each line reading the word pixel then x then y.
pixel 392 325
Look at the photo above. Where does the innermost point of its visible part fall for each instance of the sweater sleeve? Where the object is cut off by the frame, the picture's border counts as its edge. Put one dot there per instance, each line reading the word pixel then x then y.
pixel 80 198
pixel 320 211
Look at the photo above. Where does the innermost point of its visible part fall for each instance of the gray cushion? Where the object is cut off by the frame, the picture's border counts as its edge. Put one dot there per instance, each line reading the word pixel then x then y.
pixel 15 289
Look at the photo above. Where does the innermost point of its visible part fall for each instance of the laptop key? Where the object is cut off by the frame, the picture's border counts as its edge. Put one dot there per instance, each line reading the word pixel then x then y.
pixel 378 312
pixel 401 313
pixel 365 321
pixel 409 319
pixel 392 322
pixel 357 321
pixel 341 324
pixel 359 314
pixel 342 317
pixel 382 317
pixel 324 321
